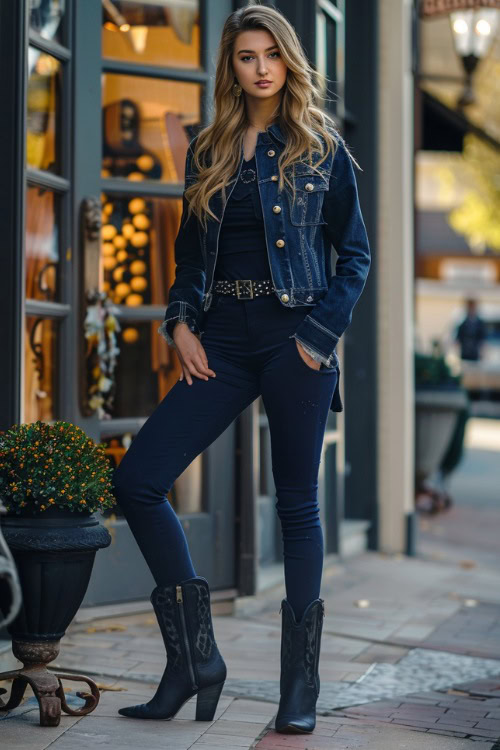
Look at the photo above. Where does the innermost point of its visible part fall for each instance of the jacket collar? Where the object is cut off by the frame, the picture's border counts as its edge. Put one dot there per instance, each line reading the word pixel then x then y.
pixel 273 131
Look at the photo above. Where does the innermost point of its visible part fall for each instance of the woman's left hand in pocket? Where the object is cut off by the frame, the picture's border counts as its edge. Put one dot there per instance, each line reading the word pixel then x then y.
pixel 310 362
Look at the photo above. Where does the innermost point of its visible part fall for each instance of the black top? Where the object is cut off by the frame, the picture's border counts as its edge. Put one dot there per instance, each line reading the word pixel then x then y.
pixel 242 241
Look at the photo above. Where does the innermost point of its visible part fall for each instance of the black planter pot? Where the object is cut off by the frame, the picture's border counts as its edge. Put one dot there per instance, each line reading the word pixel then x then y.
pixel 54 554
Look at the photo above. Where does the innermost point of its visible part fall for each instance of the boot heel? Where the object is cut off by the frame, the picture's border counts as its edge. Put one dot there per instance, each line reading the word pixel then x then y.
pixel 206 702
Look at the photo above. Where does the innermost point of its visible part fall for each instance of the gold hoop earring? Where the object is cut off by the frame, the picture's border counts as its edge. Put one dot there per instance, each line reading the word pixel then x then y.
pixel 237 89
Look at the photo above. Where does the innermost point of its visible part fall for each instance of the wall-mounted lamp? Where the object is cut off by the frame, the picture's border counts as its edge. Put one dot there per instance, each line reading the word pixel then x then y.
pixel 473 34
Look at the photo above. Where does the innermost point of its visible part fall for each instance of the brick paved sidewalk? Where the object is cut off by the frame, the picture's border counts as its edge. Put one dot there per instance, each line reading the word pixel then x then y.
pixel 410 656
pixel 385 682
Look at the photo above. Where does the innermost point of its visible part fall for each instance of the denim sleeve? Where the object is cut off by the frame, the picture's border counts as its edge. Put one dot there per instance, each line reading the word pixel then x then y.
pixel 167 327
pixel 322 328
pixel 189 283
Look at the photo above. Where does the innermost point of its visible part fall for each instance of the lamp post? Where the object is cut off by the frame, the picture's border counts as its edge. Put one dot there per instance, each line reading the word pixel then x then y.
pixel 473 33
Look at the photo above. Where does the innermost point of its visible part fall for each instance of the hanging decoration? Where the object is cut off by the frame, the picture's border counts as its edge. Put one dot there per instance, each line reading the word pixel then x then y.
pixel 100 328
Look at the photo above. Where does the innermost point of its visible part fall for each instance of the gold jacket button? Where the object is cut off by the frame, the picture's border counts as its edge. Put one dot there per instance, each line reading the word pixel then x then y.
pixel 280 243
pixel 271 152
pixel 277 209
pixel 275 178
pixel 309 186
pixel 285 297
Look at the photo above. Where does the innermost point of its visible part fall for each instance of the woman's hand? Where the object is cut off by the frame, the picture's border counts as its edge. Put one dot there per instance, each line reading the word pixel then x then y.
pixel 307 358
pixel 191 353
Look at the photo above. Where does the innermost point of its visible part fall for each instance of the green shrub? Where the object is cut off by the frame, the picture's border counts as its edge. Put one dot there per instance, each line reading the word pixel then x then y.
pixel 57 464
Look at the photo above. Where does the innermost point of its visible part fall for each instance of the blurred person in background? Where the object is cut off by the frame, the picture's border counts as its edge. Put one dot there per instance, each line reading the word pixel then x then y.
pixel 471 333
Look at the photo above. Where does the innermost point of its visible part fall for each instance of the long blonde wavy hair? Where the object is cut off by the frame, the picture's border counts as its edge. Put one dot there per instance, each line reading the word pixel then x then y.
pixel 307 128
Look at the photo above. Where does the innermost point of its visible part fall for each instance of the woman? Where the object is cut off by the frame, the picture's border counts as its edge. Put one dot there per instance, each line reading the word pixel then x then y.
pixel 254 311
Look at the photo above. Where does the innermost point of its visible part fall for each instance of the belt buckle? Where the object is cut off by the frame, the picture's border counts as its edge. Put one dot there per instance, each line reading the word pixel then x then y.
pixel 244 281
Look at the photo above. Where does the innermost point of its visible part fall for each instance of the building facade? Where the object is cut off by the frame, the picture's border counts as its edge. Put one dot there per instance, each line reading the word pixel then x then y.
pixel 101 99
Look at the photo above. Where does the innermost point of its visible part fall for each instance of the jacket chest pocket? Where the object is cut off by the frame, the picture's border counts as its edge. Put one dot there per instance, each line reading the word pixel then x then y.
pixel 310 192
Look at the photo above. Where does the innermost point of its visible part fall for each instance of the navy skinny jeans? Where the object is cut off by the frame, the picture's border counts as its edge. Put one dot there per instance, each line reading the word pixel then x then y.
pixel 249 346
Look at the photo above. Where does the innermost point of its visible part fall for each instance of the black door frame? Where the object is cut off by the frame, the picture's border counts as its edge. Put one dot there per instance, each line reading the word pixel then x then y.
pixel 12 158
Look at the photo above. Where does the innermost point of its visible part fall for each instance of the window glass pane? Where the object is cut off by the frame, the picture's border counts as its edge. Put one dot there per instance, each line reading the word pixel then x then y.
pixel 45 17
pixel 43 106
pixel 40 368
pixel 141 373
pixel 42 244
pixel 137 248
pixel 147 126
pixel 159 32
pixel 137 269
pixel 186 495
pixel 327 55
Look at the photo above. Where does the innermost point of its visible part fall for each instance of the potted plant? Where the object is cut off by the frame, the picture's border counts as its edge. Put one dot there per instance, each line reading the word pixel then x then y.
pixel 53 478
pixel 441 413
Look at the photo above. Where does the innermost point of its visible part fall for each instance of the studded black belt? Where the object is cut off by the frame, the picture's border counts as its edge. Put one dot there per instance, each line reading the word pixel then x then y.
pixel 244 288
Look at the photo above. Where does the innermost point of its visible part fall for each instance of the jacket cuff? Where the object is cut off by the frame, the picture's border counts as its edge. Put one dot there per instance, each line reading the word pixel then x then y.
pixel 319 339
pixel 314 355
pixel 178 312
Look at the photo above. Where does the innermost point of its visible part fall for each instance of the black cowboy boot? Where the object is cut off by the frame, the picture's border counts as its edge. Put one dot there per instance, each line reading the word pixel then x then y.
pixel 299 681
pixel 194 663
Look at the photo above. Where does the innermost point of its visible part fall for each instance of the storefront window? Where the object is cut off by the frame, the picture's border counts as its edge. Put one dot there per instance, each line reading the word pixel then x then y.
pixel 147 126
pixel 42 244
pixel 137 248
pixel 148 123
pixel 142 369
pixel 157 32
pixel 43 107
pixel 138 268
pixel 40 368
pixel 45 17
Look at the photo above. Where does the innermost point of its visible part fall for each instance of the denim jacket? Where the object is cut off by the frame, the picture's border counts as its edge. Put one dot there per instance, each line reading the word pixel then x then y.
pixel 299 237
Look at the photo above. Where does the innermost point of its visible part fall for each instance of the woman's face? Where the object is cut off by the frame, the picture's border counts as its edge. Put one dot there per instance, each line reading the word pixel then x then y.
pixel 256 57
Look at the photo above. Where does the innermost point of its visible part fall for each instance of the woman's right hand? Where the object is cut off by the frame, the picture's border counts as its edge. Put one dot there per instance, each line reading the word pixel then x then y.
pixel 191 353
